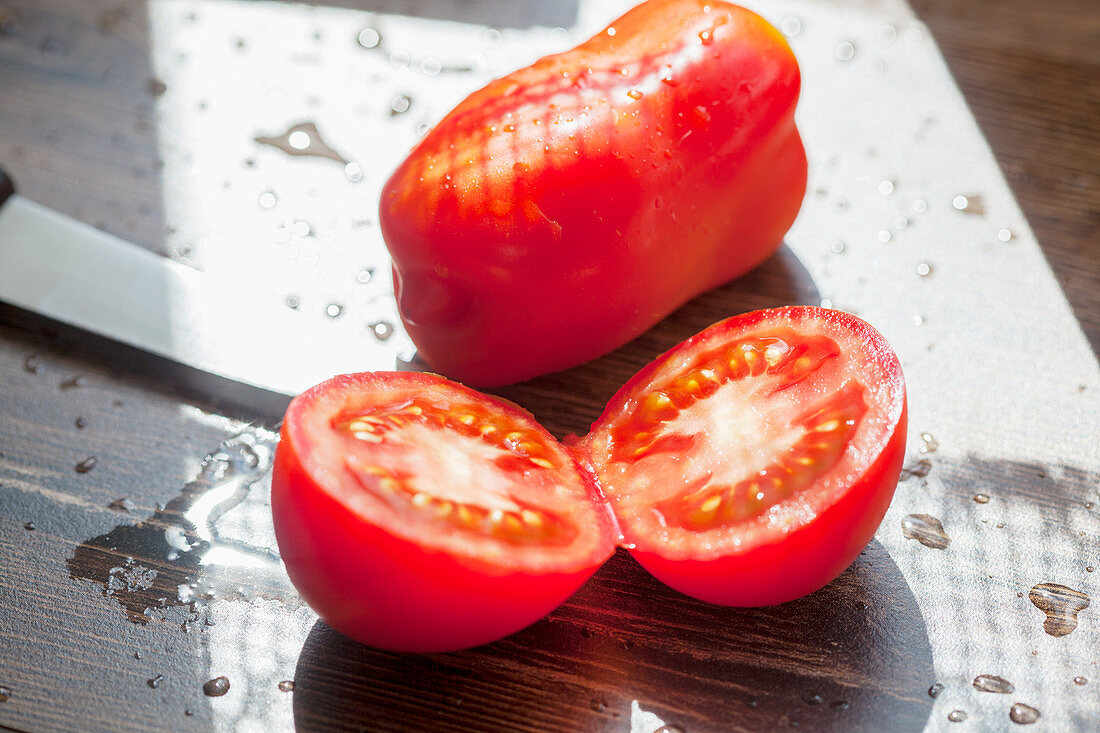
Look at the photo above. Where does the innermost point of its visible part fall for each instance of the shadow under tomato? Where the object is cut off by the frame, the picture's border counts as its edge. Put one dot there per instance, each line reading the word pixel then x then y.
pixel 570 401
pixel 853 656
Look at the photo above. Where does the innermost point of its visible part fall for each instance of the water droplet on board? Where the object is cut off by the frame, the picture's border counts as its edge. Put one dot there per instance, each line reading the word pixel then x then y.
pixel 86 465
pixel 918 320
pixel 669 728
pixel 268 200
pixel 1080 680
pixel 957 716
pixel 29 526
pixel 1005 235
pixel 80 423
pixel 400 104
pixel 1060 604
pixel 875 67
pixel 901 222
pixel 292 301
pixel 920 206
pixel 837 247
pixel 369 38
pixel 31 363
pixel 1023 714
pixel 286 686
pixel 887 33
pixel 969 204
pixel 920 469
pixel 981 498
pixel 884 236
pixel 812 698
pixel 5 693
pixel 216 687
pixel 364 276
pixel 382 330
pixel 121 505
pixel 598 705
pixel 1089 568
pixel 928 443
pixel 333 310
pixel 935 689
pixel 839 705
pixel 791 26
pixel 925 529
pixel 845 50
pixel 302 139
pixel 354 172
pixel 155 681
pixel 71 383
pixel 207 568
pixel 156 87
pixel 924 269
pixel 993 683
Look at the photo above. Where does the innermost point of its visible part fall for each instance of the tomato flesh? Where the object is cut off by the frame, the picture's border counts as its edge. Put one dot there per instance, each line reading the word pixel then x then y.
pixel 415 514
pixel 749 465
pixel 743 438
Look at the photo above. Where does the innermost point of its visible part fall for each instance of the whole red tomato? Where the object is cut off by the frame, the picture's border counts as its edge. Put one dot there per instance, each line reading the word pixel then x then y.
pixel 562 210
pixel 749 465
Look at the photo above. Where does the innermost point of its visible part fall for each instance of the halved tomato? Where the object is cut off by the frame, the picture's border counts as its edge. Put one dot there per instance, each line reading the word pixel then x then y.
pixel 415 514
pixel 753 462
pixel 749 465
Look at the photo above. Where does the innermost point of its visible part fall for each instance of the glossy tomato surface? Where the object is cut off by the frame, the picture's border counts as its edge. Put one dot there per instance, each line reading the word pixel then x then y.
pixel 414 514
pixel 753 462
pixel 562 210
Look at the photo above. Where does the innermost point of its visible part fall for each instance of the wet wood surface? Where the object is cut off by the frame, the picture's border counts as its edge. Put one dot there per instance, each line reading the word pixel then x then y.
pixel 94 636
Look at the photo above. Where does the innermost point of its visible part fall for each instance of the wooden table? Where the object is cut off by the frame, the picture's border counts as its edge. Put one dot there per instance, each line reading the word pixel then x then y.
pixel 79 568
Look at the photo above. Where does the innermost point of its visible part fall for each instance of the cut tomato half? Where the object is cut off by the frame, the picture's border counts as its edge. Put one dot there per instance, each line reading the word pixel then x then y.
pixel 415 514
pixel 749 465
pixel 753 462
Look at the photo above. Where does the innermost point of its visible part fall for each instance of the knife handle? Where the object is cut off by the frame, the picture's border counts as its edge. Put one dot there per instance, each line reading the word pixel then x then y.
pixel 7 186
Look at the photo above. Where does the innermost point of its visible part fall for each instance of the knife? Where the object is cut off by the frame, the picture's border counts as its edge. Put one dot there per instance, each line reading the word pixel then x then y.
pixel 72 273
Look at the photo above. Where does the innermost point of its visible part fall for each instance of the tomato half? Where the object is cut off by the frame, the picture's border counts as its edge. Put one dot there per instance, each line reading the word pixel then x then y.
pixel 753 462
pixel 749 465
pixel 417 515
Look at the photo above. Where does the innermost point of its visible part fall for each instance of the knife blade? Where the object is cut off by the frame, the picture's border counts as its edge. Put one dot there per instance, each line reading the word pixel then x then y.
pixel 67 271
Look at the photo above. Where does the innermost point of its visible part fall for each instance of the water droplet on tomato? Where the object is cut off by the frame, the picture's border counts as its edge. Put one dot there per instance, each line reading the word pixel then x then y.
pixel 216 687
pixel 1060 604
pixel 993 683
pixel 845 50
pixel 926 529
pixel 981 498
pixel 1023 714
pixel 86 465
pixel 957 716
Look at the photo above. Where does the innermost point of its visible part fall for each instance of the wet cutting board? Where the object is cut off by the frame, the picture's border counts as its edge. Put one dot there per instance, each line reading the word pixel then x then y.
pixel 136 556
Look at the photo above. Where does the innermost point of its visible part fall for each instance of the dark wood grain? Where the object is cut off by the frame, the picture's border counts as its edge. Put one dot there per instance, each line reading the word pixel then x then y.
pixel 77 131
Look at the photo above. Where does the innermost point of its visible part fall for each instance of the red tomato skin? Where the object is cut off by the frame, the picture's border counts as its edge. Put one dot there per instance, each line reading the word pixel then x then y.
pixel 814 554
pixel 564 209
pixel 389 592
pixel 808 558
